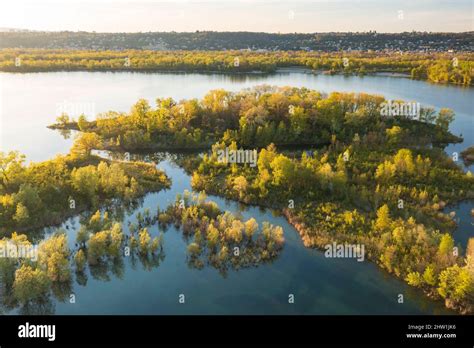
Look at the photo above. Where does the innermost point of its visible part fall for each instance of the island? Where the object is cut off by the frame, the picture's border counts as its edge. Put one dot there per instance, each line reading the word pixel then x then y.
pixel 337 166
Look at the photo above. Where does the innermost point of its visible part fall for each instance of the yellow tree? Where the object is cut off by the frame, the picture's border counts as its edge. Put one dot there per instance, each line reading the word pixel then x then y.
pixel 10 165
pixel 30 283
pixel 240 186
pixel 85 143
pixel 383 220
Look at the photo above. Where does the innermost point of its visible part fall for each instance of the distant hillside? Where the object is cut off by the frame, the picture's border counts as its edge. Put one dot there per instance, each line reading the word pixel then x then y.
pixel 410 41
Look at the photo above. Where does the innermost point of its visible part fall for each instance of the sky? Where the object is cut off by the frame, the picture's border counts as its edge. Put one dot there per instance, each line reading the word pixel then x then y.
pixel 239 15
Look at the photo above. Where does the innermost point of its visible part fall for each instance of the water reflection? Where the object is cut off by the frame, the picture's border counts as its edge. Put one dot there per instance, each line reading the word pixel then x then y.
pixel 65 133
pixel 103 244
pixel 274 270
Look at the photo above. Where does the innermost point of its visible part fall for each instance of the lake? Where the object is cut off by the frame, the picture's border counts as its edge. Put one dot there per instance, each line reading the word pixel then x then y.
pixel 320 285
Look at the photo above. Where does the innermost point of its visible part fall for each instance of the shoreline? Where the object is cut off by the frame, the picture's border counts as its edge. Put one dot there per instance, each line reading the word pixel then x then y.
pixel 300 228
pixel 281 70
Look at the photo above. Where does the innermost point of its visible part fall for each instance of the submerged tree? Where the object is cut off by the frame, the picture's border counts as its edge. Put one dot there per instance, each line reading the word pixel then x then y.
pixel 30 283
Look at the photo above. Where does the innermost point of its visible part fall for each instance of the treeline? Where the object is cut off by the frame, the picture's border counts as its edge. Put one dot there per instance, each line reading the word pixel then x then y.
pixel 434 67
pixel 45 193
pixel 212 40
pixel 260 116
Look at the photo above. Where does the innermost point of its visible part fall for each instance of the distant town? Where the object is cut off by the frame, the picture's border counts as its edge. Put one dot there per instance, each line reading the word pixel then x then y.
pixel 252 41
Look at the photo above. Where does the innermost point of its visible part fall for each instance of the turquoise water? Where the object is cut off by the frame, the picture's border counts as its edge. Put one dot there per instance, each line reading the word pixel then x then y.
pixel 320 285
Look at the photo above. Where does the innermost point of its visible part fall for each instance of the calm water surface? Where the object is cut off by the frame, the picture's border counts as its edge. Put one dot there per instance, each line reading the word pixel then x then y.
pixel 30 102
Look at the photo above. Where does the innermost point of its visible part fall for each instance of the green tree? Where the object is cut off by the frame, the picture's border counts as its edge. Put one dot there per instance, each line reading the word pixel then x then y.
pixel 11 164
pixel 22 215
pixel 53 256
pixel 144 241
pixel 194 249
pixel 80 260
pixel 284 171
pixel 251 226
pixel 30 283
pixel 82 123
pixel 116 238
pixel 445 117
pixel 85 181
pixel 63 119
pixel 212 236
pixel 85 143
pixel 97 247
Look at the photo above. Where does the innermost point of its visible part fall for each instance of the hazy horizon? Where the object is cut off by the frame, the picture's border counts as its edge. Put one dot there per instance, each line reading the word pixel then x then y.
pixel 269 16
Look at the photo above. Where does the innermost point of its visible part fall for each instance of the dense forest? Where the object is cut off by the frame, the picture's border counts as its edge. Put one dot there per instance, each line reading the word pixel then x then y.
pixel 283 116
pixel 361 178
pixel 434 67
